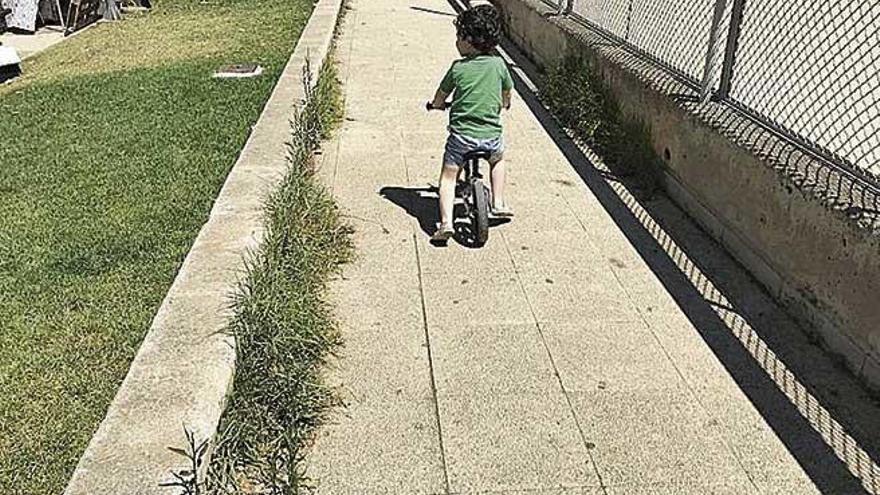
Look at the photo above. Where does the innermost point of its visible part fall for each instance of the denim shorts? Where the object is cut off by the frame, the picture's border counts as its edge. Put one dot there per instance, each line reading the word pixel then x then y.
pixel 457 146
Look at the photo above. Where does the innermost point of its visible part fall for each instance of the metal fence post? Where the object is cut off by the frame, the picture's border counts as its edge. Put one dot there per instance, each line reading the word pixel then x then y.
pixel 629 18
pixel 565 7
pixel 712 51
pixel 736 19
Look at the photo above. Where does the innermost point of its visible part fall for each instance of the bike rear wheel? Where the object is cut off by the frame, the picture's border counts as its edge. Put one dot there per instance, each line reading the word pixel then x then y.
pixel 480 215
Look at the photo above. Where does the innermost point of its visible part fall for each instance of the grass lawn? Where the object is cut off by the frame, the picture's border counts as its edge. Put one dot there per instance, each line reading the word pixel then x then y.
pixel 112 150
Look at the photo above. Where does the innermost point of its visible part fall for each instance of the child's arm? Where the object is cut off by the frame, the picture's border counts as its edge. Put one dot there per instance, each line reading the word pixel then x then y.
pixel 506 86
pixel 447 86
pixel 439 99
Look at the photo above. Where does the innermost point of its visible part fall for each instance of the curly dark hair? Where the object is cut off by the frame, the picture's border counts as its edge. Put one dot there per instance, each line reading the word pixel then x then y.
pixel 481 26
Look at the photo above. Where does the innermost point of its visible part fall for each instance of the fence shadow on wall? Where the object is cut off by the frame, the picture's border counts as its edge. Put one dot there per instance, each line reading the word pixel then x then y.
pixel 800 70
pixel 824 417
pixel 844 188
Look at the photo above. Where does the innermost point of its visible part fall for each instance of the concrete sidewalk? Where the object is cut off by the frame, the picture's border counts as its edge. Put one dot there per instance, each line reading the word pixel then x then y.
pixel 28 45
pixel 557 358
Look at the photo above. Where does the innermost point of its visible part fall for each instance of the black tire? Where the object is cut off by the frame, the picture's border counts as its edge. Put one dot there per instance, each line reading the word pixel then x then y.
pixel 481 213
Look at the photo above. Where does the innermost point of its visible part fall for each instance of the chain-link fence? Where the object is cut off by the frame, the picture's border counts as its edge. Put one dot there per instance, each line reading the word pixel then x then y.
pixel 809 71
pixel 674 32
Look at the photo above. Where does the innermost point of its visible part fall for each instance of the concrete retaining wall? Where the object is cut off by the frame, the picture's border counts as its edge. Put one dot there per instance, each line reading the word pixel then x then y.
pixel 183 370
pixel 823 265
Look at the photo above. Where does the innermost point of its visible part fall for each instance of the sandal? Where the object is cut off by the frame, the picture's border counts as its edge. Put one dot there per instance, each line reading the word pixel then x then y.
pixel 443 233
pixel 502 211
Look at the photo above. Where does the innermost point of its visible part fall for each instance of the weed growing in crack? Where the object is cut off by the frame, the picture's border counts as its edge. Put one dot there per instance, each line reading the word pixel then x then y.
pixel 188 479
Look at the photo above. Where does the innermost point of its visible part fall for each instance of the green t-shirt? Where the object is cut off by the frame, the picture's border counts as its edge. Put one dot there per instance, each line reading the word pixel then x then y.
pixel 476 83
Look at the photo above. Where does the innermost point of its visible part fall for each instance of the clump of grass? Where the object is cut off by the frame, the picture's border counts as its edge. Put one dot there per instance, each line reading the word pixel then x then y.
pixel 283 327
pixel 579 100
pixel 187 479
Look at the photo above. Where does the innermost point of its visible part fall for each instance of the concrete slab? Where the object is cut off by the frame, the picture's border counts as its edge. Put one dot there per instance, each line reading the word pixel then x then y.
pixel 430 134
pixel 557 255
pixel 611 356
pixel 723 488
pixel 648 374
pixel 554 217
pixel 455 260
pixel 655 436
pixel 488 299
pixel 770 464
pixel 368 210
pixel 646 292
pixel 579 300
pixel 393 348
pixel 551 491
pixel 513 442
pixel 699 364
pixel 383 299
pixel 384 109
pixel 484 361
pixel 423 167
pixel 381 250
pixel 778 447
pixel 379 447
pixel 364 174
pixel 582 203
pixel 325 164
pixel 408 378
pixel 28 45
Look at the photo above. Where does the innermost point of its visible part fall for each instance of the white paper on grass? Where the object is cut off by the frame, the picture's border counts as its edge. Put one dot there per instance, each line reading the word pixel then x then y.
pixel 238 71
pixel 8 56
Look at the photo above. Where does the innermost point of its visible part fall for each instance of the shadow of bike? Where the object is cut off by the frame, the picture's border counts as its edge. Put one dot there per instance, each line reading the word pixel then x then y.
pixel 421 204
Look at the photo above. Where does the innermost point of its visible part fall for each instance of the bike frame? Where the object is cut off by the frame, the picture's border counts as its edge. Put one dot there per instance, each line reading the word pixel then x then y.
pixel 470 174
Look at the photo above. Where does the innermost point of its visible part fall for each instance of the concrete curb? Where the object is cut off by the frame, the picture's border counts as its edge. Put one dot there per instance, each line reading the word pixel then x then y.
pixel 184 368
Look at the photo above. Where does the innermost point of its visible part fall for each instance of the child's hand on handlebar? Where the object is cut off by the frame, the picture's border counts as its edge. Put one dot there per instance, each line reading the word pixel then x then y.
pixel 430 106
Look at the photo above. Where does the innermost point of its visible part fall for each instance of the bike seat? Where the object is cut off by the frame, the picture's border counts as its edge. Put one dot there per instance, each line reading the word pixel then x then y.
pixel 477 154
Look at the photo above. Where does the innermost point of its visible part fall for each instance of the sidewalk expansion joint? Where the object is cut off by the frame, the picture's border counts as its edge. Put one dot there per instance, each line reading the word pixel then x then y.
pixel 537 323
pixel 431 363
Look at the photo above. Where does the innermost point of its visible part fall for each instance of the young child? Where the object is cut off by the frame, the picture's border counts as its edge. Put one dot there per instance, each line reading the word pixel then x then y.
pixel 480 86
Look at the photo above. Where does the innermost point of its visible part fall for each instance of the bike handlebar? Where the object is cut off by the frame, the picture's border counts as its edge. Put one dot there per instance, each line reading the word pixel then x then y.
pixel 430 106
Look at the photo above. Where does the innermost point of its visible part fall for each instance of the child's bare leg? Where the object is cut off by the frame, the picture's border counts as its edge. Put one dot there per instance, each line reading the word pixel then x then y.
pixel 498 176
pixel 448 178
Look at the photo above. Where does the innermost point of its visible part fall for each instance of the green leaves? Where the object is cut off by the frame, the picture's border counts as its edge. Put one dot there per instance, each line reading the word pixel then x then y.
pixel 284 327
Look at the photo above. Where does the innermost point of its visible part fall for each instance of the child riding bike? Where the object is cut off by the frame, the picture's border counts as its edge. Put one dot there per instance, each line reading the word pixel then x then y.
pixel 480 85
